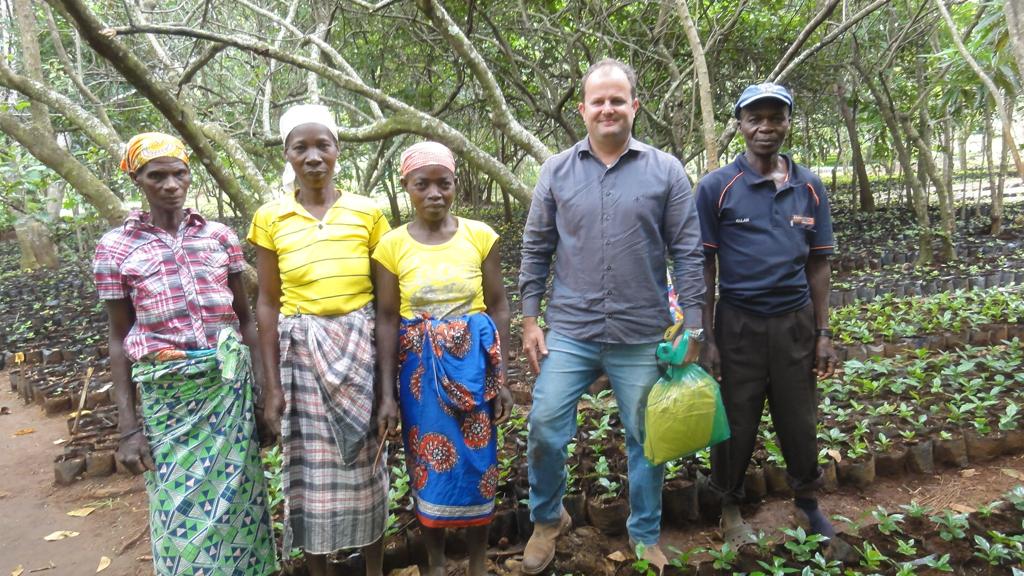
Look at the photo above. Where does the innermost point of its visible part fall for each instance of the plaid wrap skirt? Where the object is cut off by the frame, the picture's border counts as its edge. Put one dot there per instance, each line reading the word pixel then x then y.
pixel 335 498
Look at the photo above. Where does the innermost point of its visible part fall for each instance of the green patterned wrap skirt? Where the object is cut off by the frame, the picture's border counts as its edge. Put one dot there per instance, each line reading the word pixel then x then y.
pixel 208 509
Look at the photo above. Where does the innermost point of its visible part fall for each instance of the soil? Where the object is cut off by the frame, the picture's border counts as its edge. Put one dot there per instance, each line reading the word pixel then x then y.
pixel 32 506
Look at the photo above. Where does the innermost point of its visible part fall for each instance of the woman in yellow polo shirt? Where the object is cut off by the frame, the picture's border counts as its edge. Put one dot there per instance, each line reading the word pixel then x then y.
pixel 442 320
pixel 316 322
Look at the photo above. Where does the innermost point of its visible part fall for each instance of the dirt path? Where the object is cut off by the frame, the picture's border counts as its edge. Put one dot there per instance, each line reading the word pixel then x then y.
pixel 32 506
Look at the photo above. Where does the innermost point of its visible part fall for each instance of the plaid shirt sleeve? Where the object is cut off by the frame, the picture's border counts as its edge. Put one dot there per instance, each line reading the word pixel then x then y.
pixel 110 284
pixel 236 261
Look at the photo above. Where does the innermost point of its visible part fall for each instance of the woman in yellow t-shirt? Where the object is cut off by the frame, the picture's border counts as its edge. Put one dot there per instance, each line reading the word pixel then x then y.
pixel 315 314
pixel 442 322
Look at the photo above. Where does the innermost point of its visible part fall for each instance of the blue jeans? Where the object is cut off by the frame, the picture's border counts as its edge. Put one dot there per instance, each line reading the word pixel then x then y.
pixel 567 371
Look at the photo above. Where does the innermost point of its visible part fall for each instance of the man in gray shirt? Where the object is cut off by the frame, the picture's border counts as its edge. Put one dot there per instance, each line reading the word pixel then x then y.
pixel 611 210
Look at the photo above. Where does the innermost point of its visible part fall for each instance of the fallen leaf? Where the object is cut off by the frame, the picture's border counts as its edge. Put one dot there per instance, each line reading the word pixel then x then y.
pixel 18 571
pixel 617 556
pixel 59 441
pixel 104 564
pixel 60 535
pixel 1017 474
pixel 835 455
pixel 413 570
pixel 961 508
pixel 82 512
pixel 969 473
pixel 144 558
pixel 4 494
pixel 25 431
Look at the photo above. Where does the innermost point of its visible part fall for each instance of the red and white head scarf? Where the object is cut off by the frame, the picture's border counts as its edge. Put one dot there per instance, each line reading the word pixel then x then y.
pixel 426 154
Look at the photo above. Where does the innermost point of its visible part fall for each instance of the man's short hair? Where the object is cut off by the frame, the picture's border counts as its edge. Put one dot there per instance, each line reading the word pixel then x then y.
pixel 610 63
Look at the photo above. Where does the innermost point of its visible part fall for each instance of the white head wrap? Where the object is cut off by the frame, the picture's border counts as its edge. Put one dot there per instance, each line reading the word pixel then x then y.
pixel 296 116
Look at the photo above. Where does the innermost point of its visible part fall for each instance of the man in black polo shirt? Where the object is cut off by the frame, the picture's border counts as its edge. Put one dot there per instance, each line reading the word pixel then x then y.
pixel 767 235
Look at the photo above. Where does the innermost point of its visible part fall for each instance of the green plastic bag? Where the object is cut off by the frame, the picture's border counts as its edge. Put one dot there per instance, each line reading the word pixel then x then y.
pixel 684 409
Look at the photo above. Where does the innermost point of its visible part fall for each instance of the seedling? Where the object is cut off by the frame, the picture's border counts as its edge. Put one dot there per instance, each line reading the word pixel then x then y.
pixel 915 510
pixel 906 547
pixel 888 524
pixel 777 567
pixel 951 525
pixel 724 557
pixel 642 565
pixel 871 557
pixel 995 554
pixel 802 545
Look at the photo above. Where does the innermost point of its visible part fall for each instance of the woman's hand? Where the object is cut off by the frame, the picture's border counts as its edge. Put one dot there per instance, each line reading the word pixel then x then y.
pixel 502 405
pixel 388 420
pixel 134 454
pixel 268 418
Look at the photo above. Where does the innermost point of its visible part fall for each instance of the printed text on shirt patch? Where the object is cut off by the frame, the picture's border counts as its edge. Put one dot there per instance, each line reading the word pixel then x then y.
pixel 802 221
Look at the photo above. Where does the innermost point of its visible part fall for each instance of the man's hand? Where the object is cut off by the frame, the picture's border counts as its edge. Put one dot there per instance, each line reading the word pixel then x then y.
pixel 134 454
pixel 502 405
pixel 825 359
pixel 710 359
pixel 693 348
pixel 533 343
pixel 268 419
pixel 388 419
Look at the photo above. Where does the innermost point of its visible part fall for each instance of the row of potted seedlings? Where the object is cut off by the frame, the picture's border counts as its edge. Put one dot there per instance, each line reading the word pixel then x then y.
pixel 913 539
pixel 948 320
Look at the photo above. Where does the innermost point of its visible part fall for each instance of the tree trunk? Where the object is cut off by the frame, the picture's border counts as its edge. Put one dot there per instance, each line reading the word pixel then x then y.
pixel 993 91
pixel 707 103
pixel 38 249
pixel 26 22
pixel 989 142
pixel 865 197
pixel 906 164
pixel 996 226
pixel 948 225
pixel 947 157
pixel 1015 26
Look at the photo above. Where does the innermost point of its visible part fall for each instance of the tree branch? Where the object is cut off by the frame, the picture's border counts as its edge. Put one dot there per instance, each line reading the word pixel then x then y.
pixel 94 129
pixel 64 163
pixel 179 113
pixel 501 117
pixel 407 118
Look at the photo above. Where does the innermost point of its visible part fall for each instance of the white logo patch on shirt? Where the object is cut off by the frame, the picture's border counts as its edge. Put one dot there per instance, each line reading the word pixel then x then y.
pixel 742 220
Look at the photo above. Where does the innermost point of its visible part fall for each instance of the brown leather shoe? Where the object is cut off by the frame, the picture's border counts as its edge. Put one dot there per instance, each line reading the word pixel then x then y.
pixel 540 550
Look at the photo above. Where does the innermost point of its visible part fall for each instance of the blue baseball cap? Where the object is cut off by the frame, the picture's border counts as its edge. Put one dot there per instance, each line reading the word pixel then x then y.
pixel 756 92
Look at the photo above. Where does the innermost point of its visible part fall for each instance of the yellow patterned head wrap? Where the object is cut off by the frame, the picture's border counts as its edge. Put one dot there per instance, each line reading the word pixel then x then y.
pixel 149 145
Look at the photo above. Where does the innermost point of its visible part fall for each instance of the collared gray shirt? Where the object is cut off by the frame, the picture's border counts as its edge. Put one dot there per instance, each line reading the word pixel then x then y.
pixel 611 230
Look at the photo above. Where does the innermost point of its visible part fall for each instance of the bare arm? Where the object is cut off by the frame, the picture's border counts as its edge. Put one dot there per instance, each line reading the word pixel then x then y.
pixel 268 306
pixel 496 302
pixel 711 360
pixel 250 337
pixel 388 303
pixel 133 449
pixel 819 278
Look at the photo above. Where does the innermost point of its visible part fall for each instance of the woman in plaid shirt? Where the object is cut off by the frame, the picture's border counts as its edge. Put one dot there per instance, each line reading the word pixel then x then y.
pixel 171 282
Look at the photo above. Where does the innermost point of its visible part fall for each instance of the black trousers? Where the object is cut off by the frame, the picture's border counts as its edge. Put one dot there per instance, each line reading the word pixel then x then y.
pixel 767 358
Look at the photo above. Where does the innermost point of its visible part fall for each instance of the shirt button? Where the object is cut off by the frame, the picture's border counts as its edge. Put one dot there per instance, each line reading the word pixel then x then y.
pixel 608 293
pixel 608 267
pixel 320 225
pixel 607 242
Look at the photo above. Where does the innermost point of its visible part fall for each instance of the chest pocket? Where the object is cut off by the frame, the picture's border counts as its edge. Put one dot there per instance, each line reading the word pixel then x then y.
pixel 215 266
pixel 145 277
